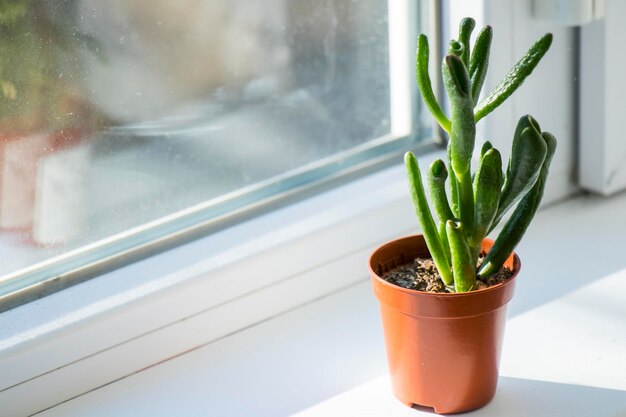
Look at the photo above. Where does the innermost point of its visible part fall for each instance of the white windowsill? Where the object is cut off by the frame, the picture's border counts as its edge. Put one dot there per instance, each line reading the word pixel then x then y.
pixel 90 335
pixel 121 322
pixel 563 352
pixel 318 351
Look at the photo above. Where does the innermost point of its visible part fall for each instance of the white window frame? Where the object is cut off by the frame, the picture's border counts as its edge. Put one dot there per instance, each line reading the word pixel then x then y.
pixel 602 157
pixel 92 334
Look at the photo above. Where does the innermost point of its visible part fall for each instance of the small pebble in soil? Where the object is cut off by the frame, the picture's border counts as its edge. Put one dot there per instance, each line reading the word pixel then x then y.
pixel 422 275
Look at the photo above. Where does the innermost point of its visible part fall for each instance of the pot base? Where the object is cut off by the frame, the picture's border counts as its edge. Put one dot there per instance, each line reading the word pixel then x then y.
pixel 444 408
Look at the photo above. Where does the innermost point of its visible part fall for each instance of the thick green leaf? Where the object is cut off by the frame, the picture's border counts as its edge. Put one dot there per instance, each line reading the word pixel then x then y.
pixel 425 86
pixel 456 48
pixel 487 186
pixel 422 210
pixel 463 128
pixel 485 148
pixel 465 32
pixel 515 77
pixel 518 223
pixel 437 175
pixel 479 62
pixel 527 156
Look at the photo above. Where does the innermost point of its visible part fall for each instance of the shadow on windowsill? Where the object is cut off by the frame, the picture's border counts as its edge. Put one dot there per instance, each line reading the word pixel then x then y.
pixel 515 398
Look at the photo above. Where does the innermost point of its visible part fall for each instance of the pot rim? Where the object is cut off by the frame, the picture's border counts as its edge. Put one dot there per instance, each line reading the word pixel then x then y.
pixel 517 265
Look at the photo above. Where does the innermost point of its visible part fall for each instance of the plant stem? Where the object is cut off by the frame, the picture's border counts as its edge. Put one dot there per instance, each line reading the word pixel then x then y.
pixel 443 236
pixel 466 201
pixel 454 189
pixel 462 135
pixel 463 267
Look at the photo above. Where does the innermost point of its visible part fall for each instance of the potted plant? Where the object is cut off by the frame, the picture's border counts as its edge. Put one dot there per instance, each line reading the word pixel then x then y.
pixel 444 332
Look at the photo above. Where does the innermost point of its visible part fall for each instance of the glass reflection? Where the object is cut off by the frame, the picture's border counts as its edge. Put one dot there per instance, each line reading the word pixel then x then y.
pixel 115 113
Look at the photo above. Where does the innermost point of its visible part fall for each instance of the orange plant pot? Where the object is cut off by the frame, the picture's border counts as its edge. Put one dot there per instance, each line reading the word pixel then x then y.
pixel 443 350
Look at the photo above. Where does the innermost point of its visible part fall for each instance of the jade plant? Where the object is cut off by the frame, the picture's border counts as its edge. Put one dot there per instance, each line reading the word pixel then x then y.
pixel 473 204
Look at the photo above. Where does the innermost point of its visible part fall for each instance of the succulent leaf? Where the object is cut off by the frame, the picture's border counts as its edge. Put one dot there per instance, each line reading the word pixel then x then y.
pixel 422 210
pixel 487 186
pixel 515 77
pixel 479 62
pixel 518 223
pixel 465 32
pixel 527 156
pixel 425 86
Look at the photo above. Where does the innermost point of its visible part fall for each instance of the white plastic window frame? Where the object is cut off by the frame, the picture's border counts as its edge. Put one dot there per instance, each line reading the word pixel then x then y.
pixel 92 334
pixel 602 158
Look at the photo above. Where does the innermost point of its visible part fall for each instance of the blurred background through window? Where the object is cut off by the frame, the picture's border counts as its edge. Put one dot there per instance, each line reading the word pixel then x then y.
pixel 117 113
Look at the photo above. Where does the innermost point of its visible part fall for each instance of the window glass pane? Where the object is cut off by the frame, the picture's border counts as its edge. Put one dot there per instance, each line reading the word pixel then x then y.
pixel 116 114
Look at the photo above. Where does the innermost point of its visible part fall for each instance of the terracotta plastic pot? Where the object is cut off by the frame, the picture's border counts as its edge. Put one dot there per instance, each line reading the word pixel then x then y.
pixel 443 350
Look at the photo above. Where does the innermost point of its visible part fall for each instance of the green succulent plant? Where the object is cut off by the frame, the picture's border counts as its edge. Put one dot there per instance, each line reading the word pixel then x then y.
pixel 477 202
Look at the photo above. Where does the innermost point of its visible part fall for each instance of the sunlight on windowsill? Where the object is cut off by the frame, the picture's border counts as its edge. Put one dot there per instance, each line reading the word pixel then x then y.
pixel 562 354
pixel 561 359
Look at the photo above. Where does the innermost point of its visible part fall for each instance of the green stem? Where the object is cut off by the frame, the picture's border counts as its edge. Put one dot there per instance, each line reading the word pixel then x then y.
pixel 466 201
pixel 462 266
pixel 454 188
pixel 424 85
pixel 463 128
pixel 422 210
pixel 443 236
pixel 462 134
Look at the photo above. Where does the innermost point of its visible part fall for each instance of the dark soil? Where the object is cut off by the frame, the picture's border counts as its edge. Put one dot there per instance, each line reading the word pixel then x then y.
pixel 422 275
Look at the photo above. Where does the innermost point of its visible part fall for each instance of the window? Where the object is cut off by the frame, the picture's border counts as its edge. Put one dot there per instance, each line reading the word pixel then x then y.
pixel 128 126
pixel 158 308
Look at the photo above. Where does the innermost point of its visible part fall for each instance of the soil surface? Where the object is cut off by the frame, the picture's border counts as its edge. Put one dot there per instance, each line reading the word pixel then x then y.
pixel 422 275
